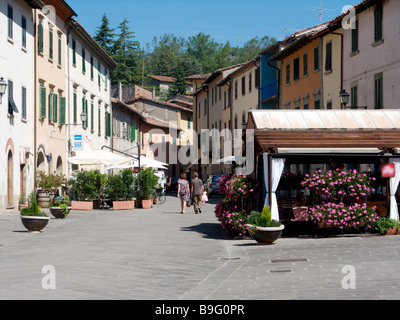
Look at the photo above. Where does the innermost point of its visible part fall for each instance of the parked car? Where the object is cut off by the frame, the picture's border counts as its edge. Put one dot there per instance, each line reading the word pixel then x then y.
pixel 172 184
pixel 212 183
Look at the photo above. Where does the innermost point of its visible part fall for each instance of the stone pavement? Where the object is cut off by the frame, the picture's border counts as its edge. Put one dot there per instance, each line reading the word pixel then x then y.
pixel 161 254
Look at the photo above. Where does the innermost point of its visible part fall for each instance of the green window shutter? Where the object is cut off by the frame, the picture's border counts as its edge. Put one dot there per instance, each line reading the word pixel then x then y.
pixel 74 52
pixel 40 36
pixel 91 68
pixel 51 44
pixel 133 133
pixel 42 102
pixel 108 124
pixel 92 117
pixel 62 110
pixel 59 52
pixel 99 118
pixel 75 108
pixel 55 108
pixel 316 59
pixel 83 110
pixel 83 60
pixel 51 106
pixel 87 114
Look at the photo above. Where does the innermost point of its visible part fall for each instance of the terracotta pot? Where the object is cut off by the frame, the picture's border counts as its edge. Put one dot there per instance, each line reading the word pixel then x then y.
pixel 35 224
pixel 147 204
pixel 392 232
pixel 82 205
pixel 124 205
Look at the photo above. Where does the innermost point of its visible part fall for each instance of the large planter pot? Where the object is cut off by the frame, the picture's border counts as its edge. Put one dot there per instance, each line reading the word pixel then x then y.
pixel 267 235
pixel 35 224
pixel 58 213
pixel 147 204
pixel 43 198
pixel 22 205
pixel 124 205
pixel 82 205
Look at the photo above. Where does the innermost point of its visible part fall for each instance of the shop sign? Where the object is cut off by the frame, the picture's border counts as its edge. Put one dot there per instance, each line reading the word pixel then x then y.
pixel 388 170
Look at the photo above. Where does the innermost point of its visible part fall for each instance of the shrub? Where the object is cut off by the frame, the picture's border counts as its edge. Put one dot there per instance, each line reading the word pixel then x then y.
pixel 145 183
pixel 120 186
pixel 33 210
pixel 384 224
pixel 87 185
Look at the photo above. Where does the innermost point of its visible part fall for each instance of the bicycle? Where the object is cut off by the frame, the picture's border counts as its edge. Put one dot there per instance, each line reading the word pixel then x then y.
pixel 159 196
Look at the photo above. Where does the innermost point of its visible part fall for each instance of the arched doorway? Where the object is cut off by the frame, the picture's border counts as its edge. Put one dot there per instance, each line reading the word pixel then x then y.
pixel 41 164
pixel 10 179
pixel 59 169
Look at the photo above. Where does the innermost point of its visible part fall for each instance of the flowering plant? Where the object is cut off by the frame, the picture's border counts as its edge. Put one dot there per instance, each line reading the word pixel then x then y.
pixel 337 183
pixel 232 220
pixel 342 216
pixel 241 186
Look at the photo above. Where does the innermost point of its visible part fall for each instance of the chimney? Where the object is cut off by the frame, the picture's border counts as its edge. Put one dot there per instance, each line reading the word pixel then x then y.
pixel 120 91
pixel 154 93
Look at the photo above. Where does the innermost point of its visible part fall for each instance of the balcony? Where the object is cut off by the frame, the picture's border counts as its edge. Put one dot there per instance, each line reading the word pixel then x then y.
pixel 269 91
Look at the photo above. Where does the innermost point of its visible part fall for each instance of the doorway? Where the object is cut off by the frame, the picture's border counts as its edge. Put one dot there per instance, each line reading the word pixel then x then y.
pixel 10 179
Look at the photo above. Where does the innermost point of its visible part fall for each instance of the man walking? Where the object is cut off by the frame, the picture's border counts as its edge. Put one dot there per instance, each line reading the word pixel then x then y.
pixel 197 193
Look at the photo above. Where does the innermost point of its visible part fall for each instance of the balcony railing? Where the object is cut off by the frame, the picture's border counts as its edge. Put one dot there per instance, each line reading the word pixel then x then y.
pixel 269 90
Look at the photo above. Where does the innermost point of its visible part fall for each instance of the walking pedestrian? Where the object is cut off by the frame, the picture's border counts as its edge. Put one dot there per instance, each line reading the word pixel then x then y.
pixel 197 192
pixel 183 192
pixel 204 198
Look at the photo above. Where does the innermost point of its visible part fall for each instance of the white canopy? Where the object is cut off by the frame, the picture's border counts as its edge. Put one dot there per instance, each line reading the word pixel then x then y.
pixel 230 159
pixel 144 163
pixel 96 157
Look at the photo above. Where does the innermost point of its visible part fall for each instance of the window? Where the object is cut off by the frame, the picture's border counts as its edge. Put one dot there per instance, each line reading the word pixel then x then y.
pixel 92 116
pixel 23 26
pixel 85 110
pixel 257 75
pixel 250 82
pixel 329 104
pixel 11 104
pixel 75 100
pixel 205 106
pixel 224 100
pixel 53 107
pixel 379 91
pixel 62 110
pixel 91 68
pixel 98 118
pixel 288 73
pixel 10 15
pixel 73 52
pixel 354 38
pixel 317 104
pixel 42 102
pixel 236 89
pixel 296 69
pixel 50 44
pixel 40 36
pixel 83 60
pixel 99 72
pixel 328 58
pixel 108 124
pixel 316 59
pixel 243 85
pixel 23 104
pixel 378 15
pixel 305 64
pixel 199 112
pixel 59 50
pixel 354 96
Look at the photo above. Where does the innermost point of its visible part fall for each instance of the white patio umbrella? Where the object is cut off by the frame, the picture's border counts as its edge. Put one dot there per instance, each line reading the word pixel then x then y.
pixel 230 159
pixel 151 163
pixel 97 157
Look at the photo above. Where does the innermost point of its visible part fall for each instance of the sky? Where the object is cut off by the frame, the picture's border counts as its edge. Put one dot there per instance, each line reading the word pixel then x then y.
pixel 236 21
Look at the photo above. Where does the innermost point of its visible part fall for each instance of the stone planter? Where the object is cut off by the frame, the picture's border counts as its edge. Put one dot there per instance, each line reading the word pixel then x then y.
pixel 147 204
pixel 124 205
pixel 82 205
pixel 57 212
pixel 34 224
pixel 266 235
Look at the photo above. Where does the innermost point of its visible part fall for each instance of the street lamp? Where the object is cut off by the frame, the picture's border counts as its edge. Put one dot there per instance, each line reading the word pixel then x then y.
pixel 3 87
pixel 344 98
pixel 83 117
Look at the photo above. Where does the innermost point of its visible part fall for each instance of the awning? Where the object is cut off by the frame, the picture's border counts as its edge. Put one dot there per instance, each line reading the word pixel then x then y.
pixel 329 150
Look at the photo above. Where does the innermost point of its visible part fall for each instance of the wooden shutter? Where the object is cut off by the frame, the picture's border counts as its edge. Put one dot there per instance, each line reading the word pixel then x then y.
pixel 40 37
pixel 328 58
pixel 92 117
pixel 133 133
pixel 51 44
pixel 62 110
pixel 87 114
pixel 316 59
pixel 42 102
pixel 108 124
pixel 55 108
pixel 75 115
pixel 51 106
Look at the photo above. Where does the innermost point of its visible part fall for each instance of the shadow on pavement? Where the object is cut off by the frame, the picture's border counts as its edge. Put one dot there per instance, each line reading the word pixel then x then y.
pixel 208 230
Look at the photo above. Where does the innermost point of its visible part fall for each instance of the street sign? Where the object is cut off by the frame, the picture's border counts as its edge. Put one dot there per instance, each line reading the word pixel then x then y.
pixel 78 142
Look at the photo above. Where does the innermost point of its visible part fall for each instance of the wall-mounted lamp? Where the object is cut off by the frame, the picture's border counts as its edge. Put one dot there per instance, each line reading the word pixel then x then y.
pixel 344 98
pixel 3 87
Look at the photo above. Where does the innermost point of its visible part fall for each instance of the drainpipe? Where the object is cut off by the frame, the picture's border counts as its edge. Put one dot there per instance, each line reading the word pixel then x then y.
pixel 341 61
pixel 257 65
pixel 35 100
pixel 278 85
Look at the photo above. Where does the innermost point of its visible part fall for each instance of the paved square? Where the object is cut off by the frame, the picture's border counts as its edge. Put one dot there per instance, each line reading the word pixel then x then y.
pixel 161 254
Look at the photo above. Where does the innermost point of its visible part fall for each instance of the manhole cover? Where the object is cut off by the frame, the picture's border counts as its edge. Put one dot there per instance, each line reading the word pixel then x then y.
pixel 228 258
pixel 288 260
pixel 280 271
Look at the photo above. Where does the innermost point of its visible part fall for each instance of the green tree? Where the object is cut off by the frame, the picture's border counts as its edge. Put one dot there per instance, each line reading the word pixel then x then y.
pixel 179 86
pixel 202 48
pixel 104 35
pixel 128 55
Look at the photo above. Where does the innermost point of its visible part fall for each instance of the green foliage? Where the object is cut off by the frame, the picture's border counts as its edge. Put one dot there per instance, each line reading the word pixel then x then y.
pixel 121 186
pixel 33 210
pixel 61 202
pixel 87 185
pixel 49 181
pixel 145 183
pixel 384 224
pixel 104 35
pixel 262 219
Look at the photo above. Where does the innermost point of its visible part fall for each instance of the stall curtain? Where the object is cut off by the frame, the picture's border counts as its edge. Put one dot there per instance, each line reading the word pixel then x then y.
pixel 394 183
pixel 278 164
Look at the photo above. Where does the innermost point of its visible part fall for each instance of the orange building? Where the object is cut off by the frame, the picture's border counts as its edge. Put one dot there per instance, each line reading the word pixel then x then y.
pixel 301 77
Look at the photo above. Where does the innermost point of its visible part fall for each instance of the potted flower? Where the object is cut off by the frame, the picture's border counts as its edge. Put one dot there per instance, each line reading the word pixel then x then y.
pixel 145 185
pixel 262 228
pixel 60 207
pixel 387 226
pixel 23 203
pixel 33 218
pixel 120 189
pixel 85 188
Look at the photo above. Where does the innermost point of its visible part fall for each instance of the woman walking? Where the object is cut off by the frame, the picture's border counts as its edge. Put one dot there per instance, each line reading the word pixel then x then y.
pixel 183 192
